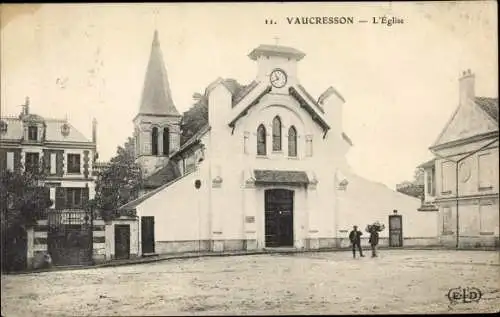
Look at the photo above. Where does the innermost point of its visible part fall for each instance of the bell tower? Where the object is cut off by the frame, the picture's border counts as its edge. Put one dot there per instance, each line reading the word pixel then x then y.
pixel 277 64
pixel 157 125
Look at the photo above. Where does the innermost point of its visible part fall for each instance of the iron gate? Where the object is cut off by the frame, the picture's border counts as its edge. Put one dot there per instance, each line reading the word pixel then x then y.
pixel 69 238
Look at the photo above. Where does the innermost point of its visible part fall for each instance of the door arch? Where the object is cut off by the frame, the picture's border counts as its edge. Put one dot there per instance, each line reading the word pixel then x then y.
pixel 279 205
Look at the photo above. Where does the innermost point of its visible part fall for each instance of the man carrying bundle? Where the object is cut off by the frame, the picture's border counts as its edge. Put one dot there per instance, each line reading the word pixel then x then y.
pixel 374 229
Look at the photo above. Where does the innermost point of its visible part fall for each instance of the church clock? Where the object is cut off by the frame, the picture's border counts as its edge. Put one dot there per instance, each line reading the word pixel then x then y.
pixel 278 78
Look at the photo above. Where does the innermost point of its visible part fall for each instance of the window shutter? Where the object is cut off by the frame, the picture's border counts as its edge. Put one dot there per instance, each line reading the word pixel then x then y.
pixel 3 160
pixel 60 198
pixel 46 161
pixel 46 195
pixel 85 196
pixel 17 160
pixel 60 163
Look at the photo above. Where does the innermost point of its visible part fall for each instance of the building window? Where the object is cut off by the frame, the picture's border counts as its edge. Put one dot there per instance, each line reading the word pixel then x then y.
pixel 261 140
pixel 32 133
pixel 292 142
pixel 154 141
pixel 166 141
pixel 32 162
pixel 486 171
pixel 73 197
pixel 430 182
pixel 276 134
pixel 488 214
pixel 447 221
pixel 447 177
pixel 74 163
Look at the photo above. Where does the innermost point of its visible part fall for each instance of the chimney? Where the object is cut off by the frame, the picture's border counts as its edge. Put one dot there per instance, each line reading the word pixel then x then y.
pixel 94 130
pixel 466 86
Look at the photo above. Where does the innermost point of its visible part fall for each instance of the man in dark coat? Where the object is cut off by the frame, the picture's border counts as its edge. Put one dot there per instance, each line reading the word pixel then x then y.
pixel 374 240
pixel 355 237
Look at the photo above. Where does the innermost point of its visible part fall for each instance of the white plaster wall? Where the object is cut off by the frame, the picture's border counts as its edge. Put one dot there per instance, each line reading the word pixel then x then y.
pixel 365 201
pixel 180 210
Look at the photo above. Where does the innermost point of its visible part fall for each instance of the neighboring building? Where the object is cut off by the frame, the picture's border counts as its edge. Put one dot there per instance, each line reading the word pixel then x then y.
pixel 267 170
pixel 33 142
pixel 467 147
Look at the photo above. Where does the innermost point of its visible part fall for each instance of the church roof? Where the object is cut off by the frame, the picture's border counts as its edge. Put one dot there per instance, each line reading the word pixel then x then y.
pixel 131 205
pixel 156 95
pixel 165 174
pixel 171 171
pixel 488 105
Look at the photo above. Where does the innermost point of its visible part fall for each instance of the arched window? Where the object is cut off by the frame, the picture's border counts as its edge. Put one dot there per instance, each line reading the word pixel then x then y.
pixel 154 141
pixel 292 141
pixel 261 140
pixel 276 134
pixel 166 141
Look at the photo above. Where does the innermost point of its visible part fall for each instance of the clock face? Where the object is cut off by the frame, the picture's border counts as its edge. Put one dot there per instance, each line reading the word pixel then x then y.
pixel 278 78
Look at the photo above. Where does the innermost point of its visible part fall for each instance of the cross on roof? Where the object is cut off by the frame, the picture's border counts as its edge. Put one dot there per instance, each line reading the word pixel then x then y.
pixel 156 11
pixel 277 39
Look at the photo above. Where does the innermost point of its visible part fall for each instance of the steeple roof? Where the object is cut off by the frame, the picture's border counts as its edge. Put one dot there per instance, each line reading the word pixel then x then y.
pixel 156 96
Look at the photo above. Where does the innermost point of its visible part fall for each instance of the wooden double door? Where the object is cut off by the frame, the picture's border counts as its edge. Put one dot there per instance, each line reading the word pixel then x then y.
pixel 279 218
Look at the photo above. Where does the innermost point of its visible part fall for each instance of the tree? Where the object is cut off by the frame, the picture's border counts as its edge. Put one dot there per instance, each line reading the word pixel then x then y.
pixel 414 188
pixel 119 183
pixel 194 118
pixel 23 199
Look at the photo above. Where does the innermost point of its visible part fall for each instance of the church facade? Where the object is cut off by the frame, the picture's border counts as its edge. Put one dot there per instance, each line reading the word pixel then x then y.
pixel 267 170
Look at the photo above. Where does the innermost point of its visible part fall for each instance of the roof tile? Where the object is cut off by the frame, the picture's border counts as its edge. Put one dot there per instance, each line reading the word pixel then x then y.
pixel 489 105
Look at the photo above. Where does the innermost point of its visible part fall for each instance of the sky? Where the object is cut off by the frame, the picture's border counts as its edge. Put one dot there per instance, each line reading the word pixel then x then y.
pixel 400 83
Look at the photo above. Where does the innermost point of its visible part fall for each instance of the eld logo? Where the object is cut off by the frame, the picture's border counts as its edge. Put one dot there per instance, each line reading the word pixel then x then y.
pixel 464 295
